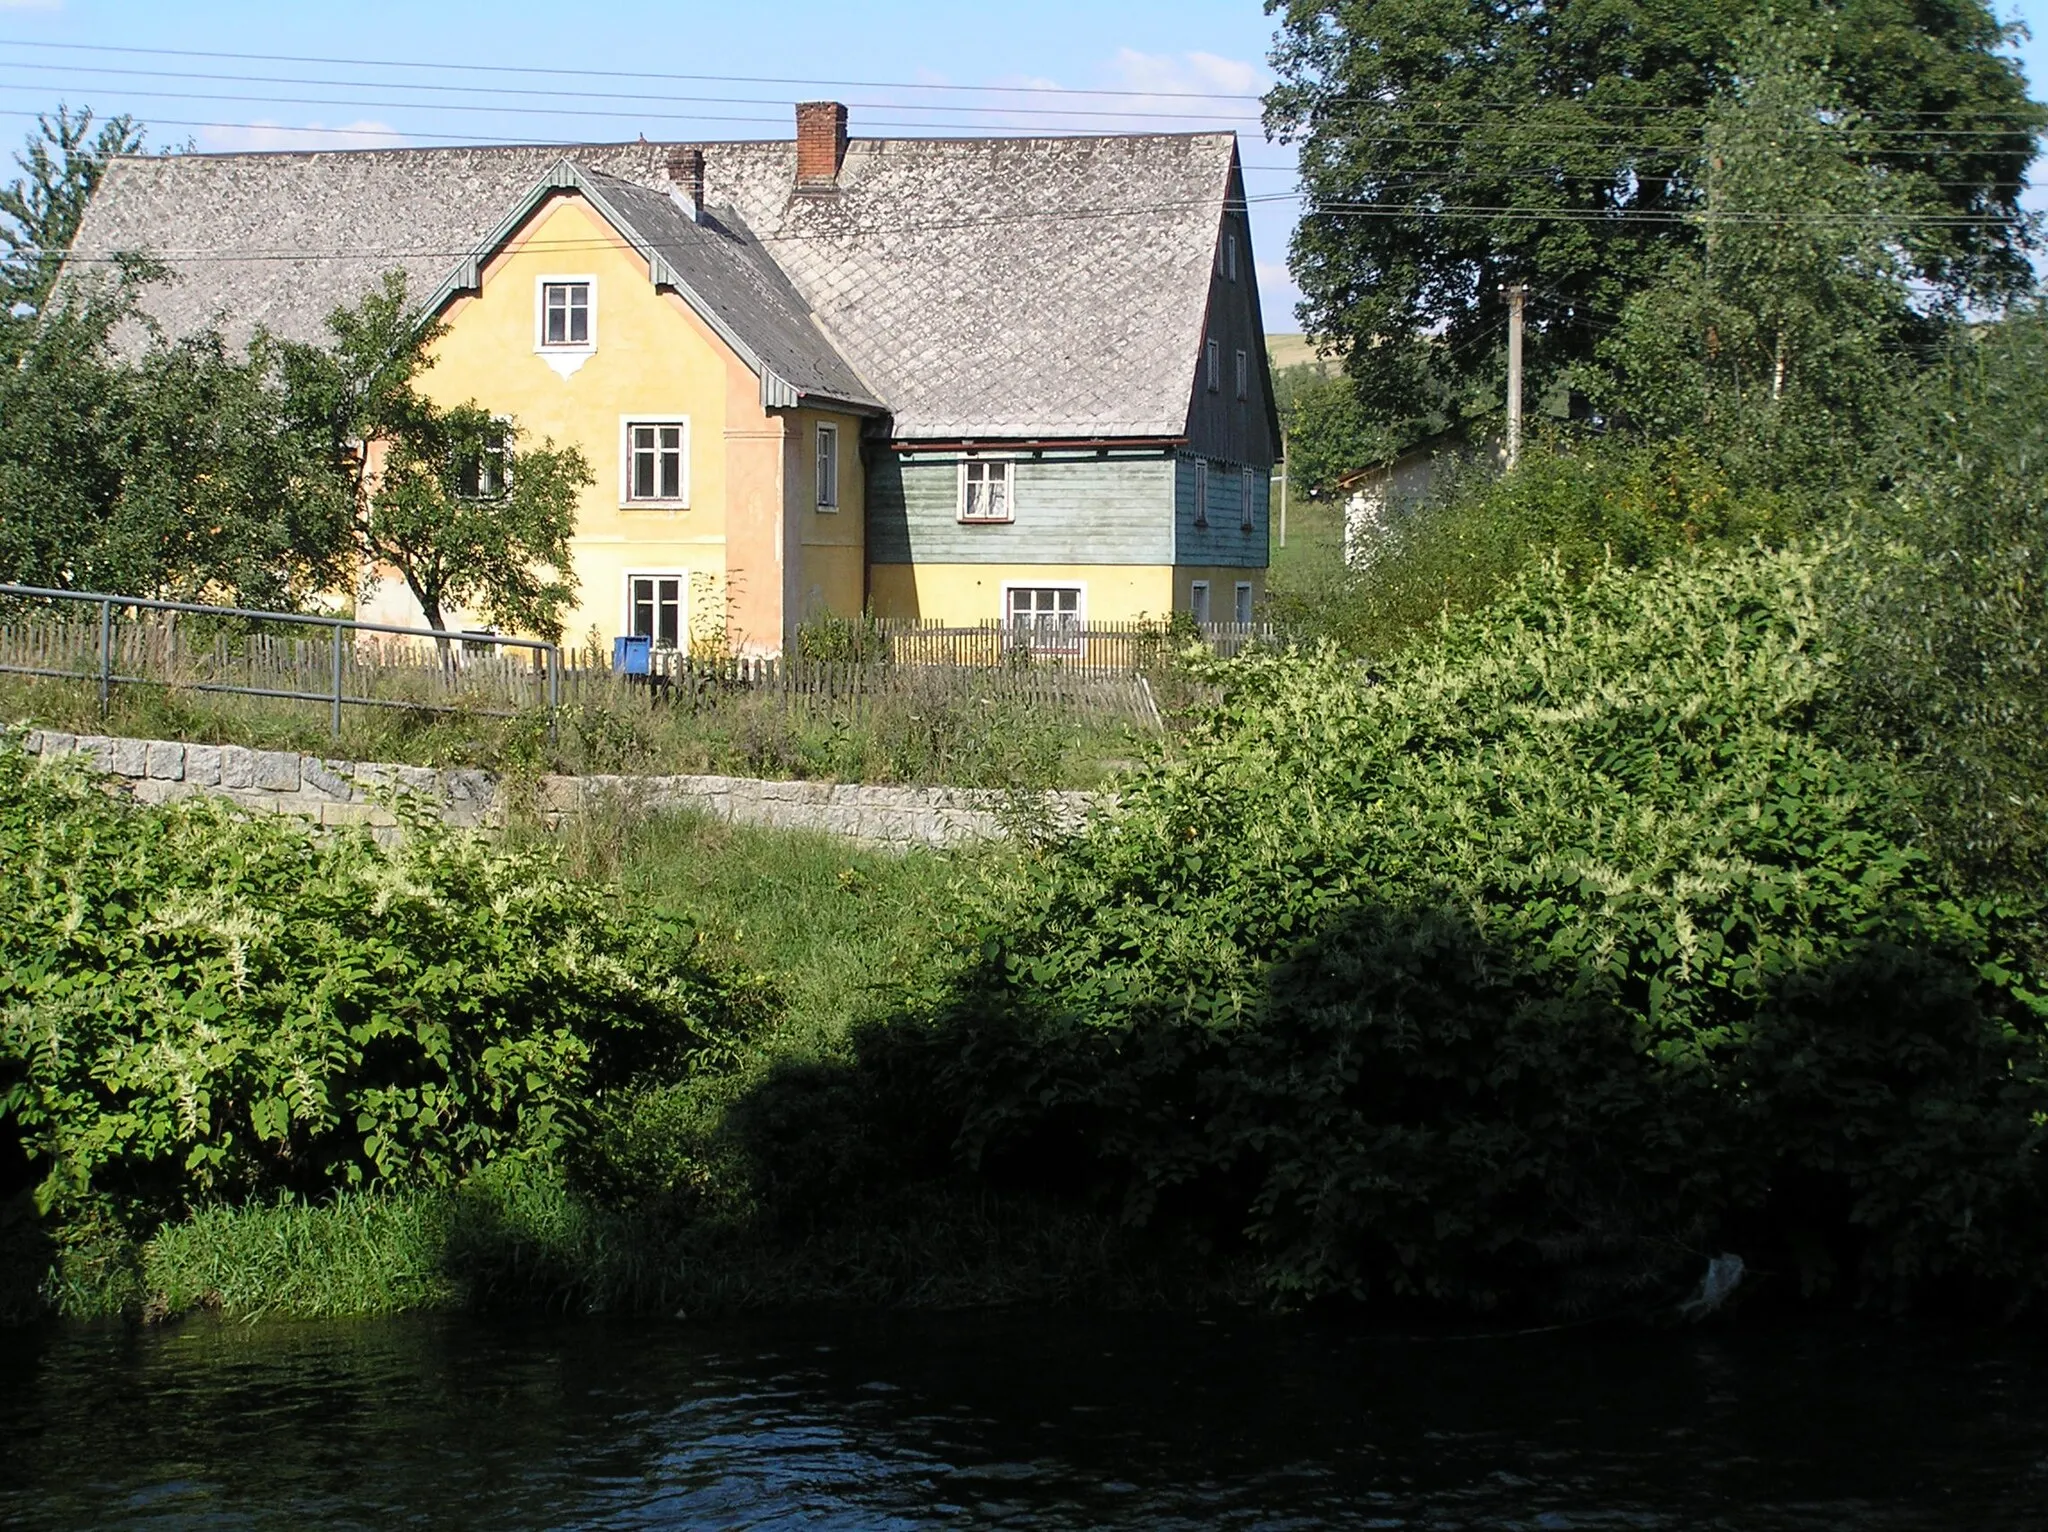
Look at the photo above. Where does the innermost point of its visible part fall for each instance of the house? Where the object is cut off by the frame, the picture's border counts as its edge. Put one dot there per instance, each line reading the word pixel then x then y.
pixel 1016 379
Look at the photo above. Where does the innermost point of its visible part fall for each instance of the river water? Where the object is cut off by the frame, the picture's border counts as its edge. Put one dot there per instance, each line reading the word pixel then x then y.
pixel 1017 1421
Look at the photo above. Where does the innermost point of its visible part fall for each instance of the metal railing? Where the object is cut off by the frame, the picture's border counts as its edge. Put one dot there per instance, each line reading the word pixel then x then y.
pixel 451 646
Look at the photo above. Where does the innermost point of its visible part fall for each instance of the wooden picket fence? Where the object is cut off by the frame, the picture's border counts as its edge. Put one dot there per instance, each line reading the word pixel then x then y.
pixel 379 670
pixel 855 687
pixel 1101 671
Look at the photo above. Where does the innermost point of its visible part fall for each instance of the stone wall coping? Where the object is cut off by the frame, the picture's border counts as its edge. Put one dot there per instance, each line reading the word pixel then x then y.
pixel 333 792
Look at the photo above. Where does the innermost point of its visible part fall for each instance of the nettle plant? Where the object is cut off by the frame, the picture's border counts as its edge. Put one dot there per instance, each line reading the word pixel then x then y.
pixel 201 1007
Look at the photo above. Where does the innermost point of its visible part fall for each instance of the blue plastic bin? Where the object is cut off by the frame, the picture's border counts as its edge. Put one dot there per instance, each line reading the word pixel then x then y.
pixel 630 656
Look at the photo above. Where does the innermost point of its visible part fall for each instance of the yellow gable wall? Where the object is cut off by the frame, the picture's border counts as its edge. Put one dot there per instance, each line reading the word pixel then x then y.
pixel 653 358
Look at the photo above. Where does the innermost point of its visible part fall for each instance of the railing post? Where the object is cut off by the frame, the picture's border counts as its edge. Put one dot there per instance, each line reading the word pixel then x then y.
pixel 335 635
pixel 553 656
pixel 106 653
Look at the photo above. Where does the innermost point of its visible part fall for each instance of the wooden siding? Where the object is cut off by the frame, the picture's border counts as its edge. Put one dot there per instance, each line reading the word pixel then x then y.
pixel 1226 539
pixel 1221 425
pixel 1069 510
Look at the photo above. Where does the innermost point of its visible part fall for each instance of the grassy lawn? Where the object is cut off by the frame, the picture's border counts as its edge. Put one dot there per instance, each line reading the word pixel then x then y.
pixel 835 926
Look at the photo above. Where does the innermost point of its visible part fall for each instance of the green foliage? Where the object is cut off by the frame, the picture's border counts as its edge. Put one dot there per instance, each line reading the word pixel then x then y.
pixel 61 164
pixel 447 497
pixel 1777 342
pixel 1585 505
pixel 172 473
pixel 1949 601
pixel 1566 954
pixel 1449 149
pixel 1328 433
pixel 202 1008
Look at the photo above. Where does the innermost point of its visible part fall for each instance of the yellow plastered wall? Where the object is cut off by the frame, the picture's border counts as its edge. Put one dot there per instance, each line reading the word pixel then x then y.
pixel 830 573
pixel 969 593
pixel 653 358
pixel 1223 582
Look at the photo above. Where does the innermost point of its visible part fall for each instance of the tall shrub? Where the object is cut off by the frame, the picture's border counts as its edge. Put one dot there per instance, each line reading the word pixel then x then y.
pixel 1567 954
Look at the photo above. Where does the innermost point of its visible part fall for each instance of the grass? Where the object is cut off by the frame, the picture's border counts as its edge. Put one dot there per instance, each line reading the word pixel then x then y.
pixel 836 927
pixel 959 742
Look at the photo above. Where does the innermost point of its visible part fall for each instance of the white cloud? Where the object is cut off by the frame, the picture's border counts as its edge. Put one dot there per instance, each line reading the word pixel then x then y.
pixel 362 134
pixel 1181 74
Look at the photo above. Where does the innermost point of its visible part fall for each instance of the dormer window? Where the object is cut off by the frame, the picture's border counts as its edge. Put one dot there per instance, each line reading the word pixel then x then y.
pixel 565 307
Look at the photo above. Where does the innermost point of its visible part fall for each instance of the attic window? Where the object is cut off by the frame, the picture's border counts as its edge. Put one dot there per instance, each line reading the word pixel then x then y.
pixel 1230 257
pixel 1213 365
pixel 566 316
pixel 1243 373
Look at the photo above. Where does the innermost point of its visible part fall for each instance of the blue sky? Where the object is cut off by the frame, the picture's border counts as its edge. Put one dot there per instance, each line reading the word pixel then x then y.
pixel 903 67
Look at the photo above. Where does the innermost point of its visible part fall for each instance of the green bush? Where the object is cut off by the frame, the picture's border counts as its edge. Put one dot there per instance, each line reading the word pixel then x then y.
pixel 1582 504
pixel 1563 956
pixel 197 1007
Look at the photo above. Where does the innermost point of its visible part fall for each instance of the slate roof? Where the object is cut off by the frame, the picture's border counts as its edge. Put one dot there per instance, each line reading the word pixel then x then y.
pixel 981 288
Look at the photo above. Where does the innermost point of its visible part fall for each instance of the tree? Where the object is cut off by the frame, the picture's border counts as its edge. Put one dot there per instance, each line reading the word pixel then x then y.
pixel 446 497
pixel 39 213
pixel 1778 337
pixel 1328 434
pixel 1448 149
pixel 169 473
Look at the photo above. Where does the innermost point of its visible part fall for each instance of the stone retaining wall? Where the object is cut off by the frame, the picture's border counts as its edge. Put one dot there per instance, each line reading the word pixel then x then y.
pixel 356 793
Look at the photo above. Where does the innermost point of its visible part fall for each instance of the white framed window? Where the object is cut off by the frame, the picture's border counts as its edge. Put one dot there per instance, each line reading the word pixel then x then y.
pixel 655 607
pixel 485 473
pixel 1242 611
pixel 985 490
pixel 1198 600
pixel 1230 256
pixel 1213 364
pixel 1047 618
pixel 1201 492
pixel 565 314
pixel 1244 373
pixel 1247 503
pixel 828 468
pixel 654 460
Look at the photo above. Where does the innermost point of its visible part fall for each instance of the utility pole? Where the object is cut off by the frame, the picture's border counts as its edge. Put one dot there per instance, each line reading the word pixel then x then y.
pixel 1517 295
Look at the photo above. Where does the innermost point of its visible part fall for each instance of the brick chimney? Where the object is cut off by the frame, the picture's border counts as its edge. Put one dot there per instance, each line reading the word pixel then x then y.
pixel 820 144
pixel 686 180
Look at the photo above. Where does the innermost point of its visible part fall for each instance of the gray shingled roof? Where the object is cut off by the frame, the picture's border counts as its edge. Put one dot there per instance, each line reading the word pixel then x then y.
pixel 981 288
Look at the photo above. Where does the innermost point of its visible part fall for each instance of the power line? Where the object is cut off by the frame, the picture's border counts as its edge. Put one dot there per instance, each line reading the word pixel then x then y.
pixel 578 95
pixel 616 74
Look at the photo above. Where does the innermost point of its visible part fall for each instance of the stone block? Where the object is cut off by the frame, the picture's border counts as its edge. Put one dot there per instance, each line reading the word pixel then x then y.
pixel 559 795
pixel 469 786
pixel 202 765
pixel 373 814
pixel 326 778
pixel 127 757
pixel 58 744
pixel 418 779
pixel 165 760
pixel 277 771
pixel 31 741
pixel 254 800
pixel 157 790
pixel 237 766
